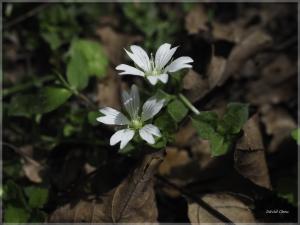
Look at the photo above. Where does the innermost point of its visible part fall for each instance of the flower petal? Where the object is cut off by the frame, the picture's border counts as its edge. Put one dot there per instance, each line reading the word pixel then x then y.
pixel 163 55
pixel 152 79
pixel 148 131
pixel 112 117
pixel 123 136
pixel 131 101
pixel 151 107
pixel 179 63
pixel 146 136
pixel 129 70
pixel 142 55
pixel 163 77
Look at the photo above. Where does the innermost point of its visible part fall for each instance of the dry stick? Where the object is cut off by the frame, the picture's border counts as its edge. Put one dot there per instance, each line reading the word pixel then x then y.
pixel 25 16
pixel 193 197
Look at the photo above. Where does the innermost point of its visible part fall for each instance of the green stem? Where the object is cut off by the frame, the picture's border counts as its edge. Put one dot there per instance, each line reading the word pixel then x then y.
pixel 22 87
pixel 189 104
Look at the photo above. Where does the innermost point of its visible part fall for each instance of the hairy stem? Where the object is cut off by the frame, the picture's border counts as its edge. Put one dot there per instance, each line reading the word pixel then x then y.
pixel 189 104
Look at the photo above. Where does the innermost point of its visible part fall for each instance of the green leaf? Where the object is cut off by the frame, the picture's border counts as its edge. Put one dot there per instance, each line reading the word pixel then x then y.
pixel 14 192
pixel 92 116
pixel 47 100
pixel 93 54
pixel 219 145
pixel 160 94
pixel 37 196
pixel 286 187
pixel 53 97
pixel 295 135
pixel 14 214
pixel 234 118
pixel 165 123
pixel 160 143
pixel 177 110
pixel 205 124
pixel 38 216
pixel 77 73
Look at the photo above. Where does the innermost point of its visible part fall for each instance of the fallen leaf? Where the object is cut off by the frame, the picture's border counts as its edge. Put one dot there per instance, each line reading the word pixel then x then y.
pixel 196 20
pixel 132 201
pixel 242 52
pixel 108 90
pixel 216 70
pixel 231 207
pixel 185 134
pixel 279 125
pixel 174 158
pixel 194 86
pixel 114 43
pixel 249 155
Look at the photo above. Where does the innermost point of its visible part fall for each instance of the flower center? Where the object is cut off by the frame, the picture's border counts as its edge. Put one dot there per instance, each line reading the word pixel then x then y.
pixel 136 124
pixel 154 71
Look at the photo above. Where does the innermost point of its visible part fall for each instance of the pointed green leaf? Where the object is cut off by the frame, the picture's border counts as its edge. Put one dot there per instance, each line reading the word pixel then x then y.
pixel 205 124
pixel 37 196
pixel 47 100
pixel 234 118
pixel 177 110
pixel 93 54
pixel 13 214
pixel 77 73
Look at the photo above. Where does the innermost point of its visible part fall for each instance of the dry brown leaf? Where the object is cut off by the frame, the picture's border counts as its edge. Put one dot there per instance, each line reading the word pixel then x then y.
pixel 249 155
pixel 108 93
pixel 132 201
pixel 279 125
pixel 216 70
pixel 277 82
pixel 231 207
pixel 80 212
pixel 194 86
pixel 109 90
pixel 196 20
pixel 33 170
pixel 174 158
pixel 114 43
pixel 247 48
pixel 185 134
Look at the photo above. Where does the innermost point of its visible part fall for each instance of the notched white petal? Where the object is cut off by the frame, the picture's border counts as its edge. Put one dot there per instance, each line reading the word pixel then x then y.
pixel 179 63
pixel 151 107
pixel 112 117
pixel 141 54
pixel 163 77
pixel 147 133
pixel 129 70
pixel 152 79
pixel 123 136
pixel 163 55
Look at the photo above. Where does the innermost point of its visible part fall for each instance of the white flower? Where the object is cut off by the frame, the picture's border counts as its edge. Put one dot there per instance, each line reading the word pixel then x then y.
pixel 137 120
pixel 154 69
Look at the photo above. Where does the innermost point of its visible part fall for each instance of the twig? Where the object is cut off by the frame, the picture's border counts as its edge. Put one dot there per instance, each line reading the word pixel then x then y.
pixel 25 16
pixel 195 198
pixel 86 100
pixel 22 87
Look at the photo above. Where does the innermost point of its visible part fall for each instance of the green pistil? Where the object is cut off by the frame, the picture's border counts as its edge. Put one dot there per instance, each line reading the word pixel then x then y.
pixel 136 124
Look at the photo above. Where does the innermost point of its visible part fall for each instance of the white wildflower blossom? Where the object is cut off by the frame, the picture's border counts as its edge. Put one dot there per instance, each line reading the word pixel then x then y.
pixel 136 121
pixel 154 69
